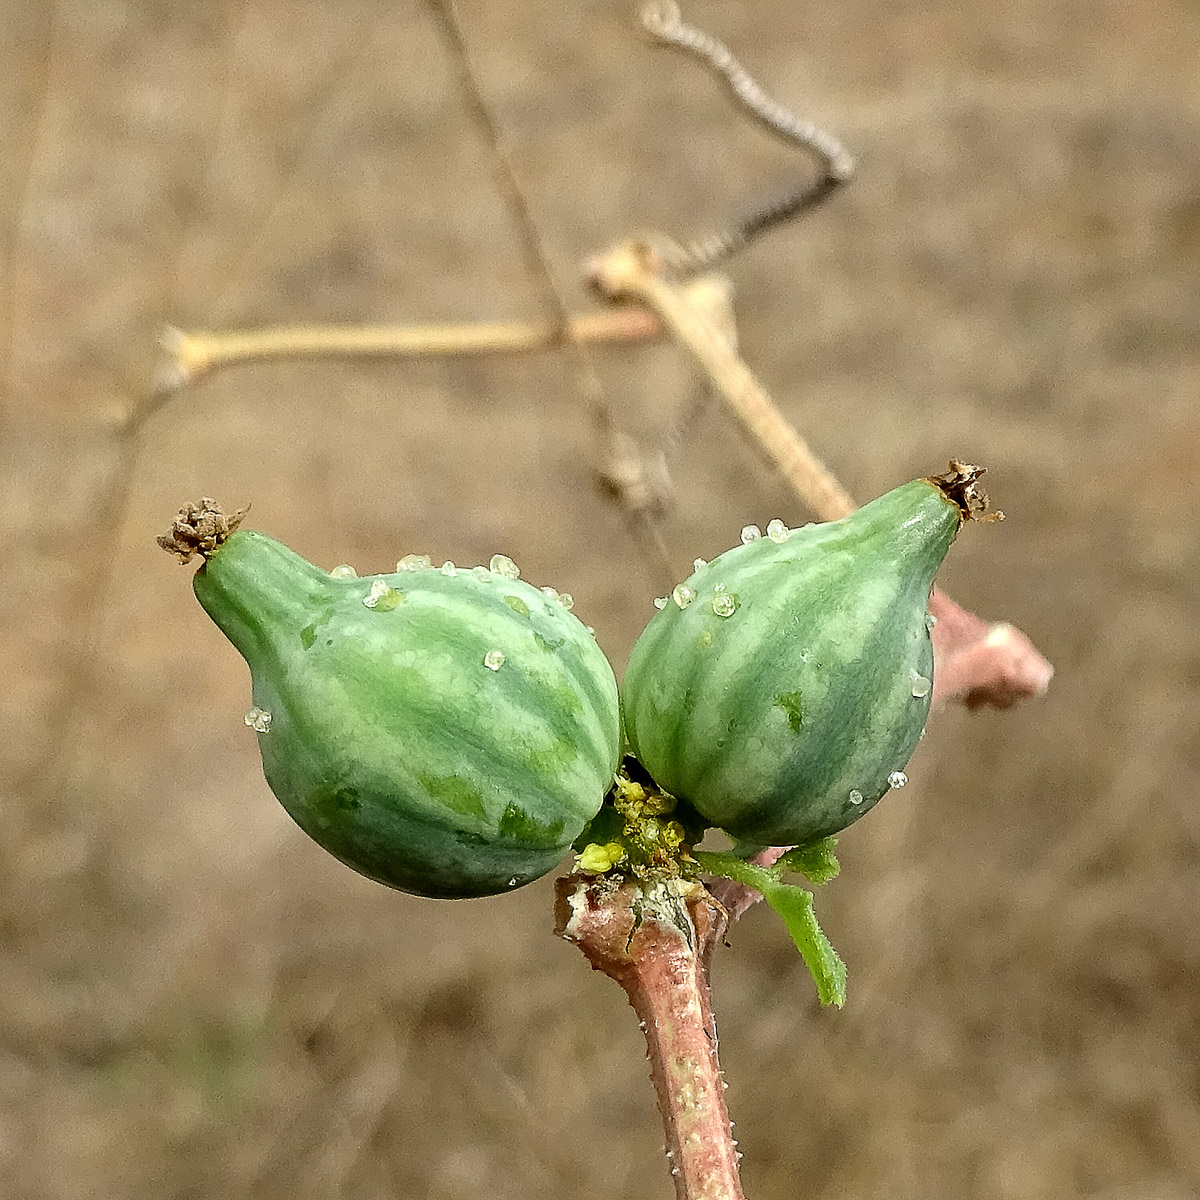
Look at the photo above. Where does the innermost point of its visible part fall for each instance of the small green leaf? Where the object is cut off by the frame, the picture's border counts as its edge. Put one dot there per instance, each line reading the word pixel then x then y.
pixel 794 906
pixel 816 861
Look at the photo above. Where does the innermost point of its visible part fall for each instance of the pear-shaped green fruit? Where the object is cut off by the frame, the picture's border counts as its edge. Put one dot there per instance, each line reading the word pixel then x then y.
pixel 784 686
pixel 447 733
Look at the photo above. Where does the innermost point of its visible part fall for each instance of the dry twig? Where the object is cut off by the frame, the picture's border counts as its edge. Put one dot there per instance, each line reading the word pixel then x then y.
pixel 196 354
pixel 635 271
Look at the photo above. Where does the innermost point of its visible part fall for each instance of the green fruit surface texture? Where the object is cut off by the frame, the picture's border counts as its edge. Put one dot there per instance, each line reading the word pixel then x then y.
pixel 447 733
pixel 783 688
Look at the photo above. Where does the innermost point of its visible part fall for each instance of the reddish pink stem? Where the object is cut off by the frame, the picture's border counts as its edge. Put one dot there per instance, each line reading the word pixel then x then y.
pixel 656 944
pixel 981 663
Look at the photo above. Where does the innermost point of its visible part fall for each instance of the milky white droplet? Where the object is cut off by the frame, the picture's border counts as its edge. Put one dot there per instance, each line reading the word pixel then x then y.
pixel 448 568
pixel 344 571
pixel 920 685
pixel 897 779
pixel 566 600
pixel 660 602
pixel 697 563
pixel 750 533
pixel 493 660
pixel 379 589
pixel 683 595
pixel 414 562
pixel 258 719
pixel 504 566
pixel 930 620
pixel 777 531
pixel 856 797
pixel 724 604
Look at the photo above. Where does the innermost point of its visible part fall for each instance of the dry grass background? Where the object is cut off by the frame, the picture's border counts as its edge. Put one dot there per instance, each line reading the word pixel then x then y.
pixel 194 1002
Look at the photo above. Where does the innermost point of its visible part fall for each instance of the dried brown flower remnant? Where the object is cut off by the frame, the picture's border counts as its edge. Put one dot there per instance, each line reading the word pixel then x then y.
pixel 200 529
pixel 961 484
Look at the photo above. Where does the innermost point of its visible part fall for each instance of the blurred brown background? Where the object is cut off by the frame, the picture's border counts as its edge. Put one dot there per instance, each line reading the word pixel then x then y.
pixel 194 1001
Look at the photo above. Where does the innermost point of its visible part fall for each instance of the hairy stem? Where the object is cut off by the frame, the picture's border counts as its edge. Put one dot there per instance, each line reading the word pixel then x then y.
pixel 656 943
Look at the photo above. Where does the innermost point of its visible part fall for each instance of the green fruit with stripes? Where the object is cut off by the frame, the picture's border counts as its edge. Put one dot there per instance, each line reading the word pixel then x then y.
pixel 447 733
pixel 784 686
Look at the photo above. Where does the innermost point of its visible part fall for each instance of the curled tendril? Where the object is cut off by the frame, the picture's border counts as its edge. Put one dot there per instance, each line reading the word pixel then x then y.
pixel 664 22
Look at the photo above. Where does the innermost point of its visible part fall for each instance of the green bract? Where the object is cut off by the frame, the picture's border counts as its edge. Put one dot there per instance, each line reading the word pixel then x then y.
pixel 784 686
pixel 444 732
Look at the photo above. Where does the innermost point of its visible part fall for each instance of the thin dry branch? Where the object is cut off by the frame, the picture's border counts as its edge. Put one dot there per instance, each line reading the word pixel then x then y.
pixel 193 355
pixel 636 271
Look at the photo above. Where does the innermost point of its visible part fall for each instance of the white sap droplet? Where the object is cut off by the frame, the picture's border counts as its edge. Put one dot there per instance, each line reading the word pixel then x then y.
pixel 566 600
pixel 344 571
pixel 414 562
pixel 897 779
pixel 590 630
pixel 493 660
pixel 930 621
pixel 920 685
pixel 482 574
pixel 856 797
pixel 660 602
pixel 448 568
pixel 258 719
pixel 698 563
pixel 512 882
pixel 724 604
pixel 750 533
pixel 777 531
pixel 550 593
pixel 683 595
pixel 504 566
pixel 379 589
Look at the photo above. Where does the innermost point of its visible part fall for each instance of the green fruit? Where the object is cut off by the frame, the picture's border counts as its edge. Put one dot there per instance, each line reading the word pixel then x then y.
pixel 783 688
pixel 448 733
